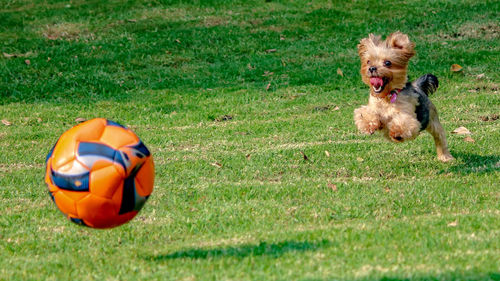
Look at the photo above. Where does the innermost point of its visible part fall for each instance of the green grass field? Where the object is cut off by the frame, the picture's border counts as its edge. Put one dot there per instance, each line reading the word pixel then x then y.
pixel 229 96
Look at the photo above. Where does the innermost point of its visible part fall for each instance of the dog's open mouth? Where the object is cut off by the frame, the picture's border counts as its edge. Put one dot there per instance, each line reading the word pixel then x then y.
pixel 378 84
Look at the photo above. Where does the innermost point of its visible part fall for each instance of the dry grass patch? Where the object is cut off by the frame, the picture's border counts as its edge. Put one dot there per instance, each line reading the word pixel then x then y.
pixel 67 31
pixel 172 14
pixel 475 30
pixel 469 30
pixel 7 168
pixel 211 21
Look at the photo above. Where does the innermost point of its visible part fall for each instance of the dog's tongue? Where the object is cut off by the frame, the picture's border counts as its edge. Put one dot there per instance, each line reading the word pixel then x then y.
pixel 376 82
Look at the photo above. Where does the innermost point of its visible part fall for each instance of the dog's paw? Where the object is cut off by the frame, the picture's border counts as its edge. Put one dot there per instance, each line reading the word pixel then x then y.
pixel 400 134
pixel 445 158
pixel 396 137
pixel 373 126
pixel 403 128
pixel 366 120
pixel 369 127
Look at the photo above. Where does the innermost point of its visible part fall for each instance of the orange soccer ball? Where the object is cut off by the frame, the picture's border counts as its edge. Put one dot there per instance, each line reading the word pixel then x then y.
pixel 99 174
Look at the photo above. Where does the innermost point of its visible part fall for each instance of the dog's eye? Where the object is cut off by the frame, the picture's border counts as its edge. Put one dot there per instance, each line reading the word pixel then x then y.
pixel 368 62
pixel 387 63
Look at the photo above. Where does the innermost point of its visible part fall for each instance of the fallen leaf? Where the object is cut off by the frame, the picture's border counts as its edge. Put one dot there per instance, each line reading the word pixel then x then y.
pixel 456 67
pixel 360 159
pixel 248 156
pixel 304 155
pixel 336 108
pixel 178 41
pixel 292 210
pixel 80 120
pixel 28 62
pixel 322 108
pixel 327 153
pixel 282 37
pixel 339 72
pixel 14 55
pixel 492 117
pixel 270 50
pixel 387 190
pixel 224 118
pixel 480 76
pixel 332 186
pixel 216 164
pixel 453 223
pixel 268 86
pixel 461 131
pixel 6 123
pixel 132 20
pixel 267 73
pixel 469 139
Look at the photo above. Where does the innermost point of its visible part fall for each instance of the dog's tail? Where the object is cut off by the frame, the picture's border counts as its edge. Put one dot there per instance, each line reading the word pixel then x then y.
pixel 428 83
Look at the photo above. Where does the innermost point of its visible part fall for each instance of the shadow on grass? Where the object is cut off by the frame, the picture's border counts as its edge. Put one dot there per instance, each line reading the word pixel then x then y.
pixel 262 249
pixel 473 163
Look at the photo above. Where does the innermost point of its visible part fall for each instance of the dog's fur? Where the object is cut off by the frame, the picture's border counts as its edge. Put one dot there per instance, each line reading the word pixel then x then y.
pixel 400 116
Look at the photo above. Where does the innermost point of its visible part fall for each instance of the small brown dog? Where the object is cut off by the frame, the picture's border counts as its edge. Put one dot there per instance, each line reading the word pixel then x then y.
pixel 401 110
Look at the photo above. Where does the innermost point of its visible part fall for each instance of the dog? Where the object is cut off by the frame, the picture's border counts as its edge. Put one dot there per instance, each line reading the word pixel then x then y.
pixel 396 107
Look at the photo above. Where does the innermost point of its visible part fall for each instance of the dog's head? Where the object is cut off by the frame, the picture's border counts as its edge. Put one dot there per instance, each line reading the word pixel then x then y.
pixel 384 63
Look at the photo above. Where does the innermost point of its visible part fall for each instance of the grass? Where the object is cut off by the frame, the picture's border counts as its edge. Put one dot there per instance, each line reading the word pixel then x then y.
pixel 229 96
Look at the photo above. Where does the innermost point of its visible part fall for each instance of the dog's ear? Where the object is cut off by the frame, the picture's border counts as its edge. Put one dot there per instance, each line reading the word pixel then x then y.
pixel 400 41
pixel 366 43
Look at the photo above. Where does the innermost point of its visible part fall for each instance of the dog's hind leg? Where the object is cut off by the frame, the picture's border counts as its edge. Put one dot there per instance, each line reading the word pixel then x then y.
pixel 437 131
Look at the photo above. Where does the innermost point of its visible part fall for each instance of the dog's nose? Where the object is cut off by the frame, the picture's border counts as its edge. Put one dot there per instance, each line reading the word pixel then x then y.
pixel 372 69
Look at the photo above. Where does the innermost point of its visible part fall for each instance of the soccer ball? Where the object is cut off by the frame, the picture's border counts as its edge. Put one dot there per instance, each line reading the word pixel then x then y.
pixel 99 174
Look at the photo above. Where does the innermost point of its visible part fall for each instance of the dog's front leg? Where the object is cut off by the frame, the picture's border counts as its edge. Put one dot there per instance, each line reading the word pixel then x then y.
pixel 367 120
pixel 403 127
